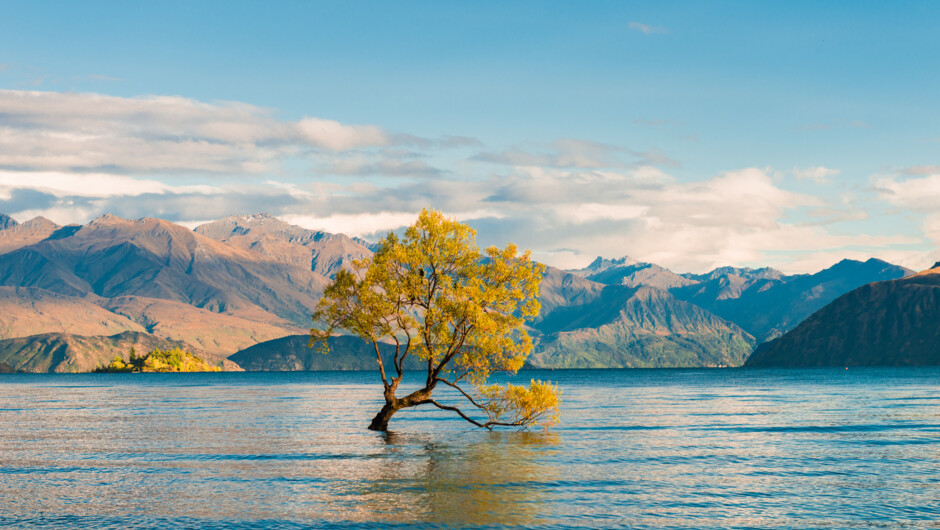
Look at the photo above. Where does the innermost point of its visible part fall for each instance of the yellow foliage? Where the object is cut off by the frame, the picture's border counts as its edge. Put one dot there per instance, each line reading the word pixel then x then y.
pixel 174 360
pixel 515 404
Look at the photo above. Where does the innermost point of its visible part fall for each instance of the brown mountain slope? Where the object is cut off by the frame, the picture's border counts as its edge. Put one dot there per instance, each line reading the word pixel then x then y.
pixel 28 311
pixel 112 257
pixel 277 240
pixel 16 235
pixel 213 333
pixel 885 323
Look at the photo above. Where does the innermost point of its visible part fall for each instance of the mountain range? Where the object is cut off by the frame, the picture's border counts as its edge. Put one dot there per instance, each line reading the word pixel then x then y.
pixel 885 323
pixel 230 287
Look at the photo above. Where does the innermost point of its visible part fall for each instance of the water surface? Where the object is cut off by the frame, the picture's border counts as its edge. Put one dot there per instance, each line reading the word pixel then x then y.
pixel 744 448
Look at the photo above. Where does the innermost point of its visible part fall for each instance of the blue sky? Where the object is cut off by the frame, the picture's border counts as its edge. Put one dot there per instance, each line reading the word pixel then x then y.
pixel 688 134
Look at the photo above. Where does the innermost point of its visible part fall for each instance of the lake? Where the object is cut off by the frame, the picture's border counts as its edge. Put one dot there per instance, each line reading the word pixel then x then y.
pixel 712 448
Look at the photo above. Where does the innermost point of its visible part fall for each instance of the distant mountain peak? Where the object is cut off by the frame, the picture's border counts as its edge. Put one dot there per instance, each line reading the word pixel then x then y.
pixel 7 222
pixel 254 218
pixel 846 265
pixel 748 273
pixel 39 222
pixel 601 264
pixel 241 224
pixel 106 219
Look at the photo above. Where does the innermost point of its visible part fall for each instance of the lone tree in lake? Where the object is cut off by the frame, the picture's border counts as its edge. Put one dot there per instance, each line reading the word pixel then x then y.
pixel 433 294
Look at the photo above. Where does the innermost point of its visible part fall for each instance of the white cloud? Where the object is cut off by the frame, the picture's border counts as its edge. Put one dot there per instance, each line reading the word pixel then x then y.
pixel 922 170
pixel 62 184
pixel 338 137
pixel 95 132
pixel 818 174
pixel 361 224
pixel 370 224
pixel 921 195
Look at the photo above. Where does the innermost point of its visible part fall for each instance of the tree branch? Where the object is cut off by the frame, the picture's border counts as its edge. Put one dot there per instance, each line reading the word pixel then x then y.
pixel 451 354
pixel 399 361
pixel 453 409
pixel 378 356
pixel 466 395
pixel 487 425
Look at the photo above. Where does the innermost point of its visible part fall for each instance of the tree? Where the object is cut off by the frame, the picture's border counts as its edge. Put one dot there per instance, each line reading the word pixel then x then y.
pixel 433 294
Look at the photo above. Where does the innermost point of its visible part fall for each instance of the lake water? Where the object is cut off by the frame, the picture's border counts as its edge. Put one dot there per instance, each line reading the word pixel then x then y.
pixel 734 448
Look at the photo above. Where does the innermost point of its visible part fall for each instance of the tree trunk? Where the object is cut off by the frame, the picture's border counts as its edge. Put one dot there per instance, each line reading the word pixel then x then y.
pixel 380 421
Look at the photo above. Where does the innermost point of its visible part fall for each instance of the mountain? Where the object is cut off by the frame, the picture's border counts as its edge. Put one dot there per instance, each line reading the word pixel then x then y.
pixel 249 280
pixel 560 289
pixel 767 304
pixel 585 324
pixel 321 252
pixel 601 264
pixel 893 322
pixel 62 352
pixel 245 280
pixel 16 235
pixel 293 353
pixel 152 258
pixel 7 222
pixel 28 311
pixel 763 302
pixel 640 274
pixel 203 330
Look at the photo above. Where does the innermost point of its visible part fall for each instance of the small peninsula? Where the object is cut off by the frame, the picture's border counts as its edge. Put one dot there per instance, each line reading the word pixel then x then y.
pixel 174 360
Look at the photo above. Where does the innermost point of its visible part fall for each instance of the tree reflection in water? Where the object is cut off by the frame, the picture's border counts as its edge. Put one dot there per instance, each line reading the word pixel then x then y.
pixel 485 478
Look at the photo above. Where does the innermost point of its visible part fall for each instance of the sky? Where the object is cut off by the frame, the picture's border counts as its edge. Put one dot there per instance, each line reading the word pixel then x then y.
pixel 688 134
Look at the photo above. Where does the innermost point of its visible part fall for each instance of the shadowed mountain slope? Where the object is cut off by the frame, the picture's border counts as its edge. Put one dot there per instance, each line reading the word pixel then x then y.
pixel 293 353
pixel 885 323
pixel 769 304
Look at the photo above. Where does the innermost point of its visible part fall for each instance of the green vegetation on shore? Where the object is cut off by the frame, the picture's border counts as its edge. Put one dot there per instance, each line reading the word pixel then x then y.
pixel 174 360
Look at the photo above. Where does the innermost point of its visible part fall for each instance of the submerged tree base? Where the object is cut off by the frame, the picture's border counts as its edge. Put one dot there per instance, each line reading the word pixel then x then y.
pixel 380 421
